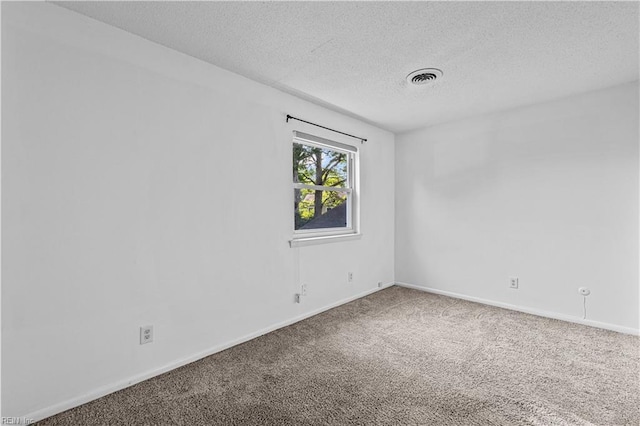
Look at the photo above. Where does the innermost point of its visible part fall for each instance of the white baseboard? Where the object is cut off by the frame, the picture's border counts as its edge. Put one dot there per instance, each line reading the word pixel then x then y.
pixel 532 311
pixel 114 387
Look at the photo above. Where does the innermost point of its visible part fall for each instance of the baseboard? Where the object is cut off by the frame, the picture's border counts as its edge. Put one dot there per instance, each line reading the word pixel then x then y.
pixel 122 384
pixel 532 311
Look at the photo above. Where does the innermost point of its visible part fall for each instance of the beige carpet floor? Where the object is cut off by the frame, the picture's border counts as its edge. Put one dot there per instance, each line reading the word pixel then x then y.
pixel 397 357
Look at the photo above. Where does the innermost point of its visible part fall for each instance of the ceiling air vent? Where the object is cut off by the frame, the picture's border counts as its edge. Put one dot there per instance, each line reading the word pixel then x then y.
pixel 424 76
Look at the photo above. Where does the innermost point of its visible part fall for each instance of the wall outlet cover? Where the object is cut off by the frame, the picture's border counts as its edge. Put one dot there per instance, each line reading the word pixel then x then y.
pixel 513 282
pixel 146 334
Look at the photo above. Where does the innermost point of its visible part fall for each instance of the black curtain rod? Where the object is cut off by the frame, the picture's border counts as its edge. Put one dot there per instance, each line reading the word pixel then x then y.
pixel 290 117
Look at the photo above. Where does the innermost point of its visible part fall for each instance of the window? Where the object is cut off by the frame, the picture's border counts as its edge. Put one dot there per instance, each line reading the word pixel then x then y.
pixel 324 187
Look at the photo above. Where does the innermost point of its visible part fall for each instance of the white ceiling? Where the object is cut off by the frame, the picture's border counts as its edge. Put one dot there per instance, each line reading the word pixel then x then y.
pixel 353 57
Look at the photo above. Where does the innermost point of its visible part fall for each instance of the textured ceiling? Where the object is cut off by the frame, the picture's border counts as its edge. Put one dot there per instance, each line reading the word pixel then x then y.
pixel 353 57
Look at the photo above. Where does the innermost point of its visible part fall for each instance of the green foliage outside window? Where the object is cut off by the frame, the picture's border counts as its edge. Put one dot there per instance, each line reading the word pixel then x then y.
pixel 320 167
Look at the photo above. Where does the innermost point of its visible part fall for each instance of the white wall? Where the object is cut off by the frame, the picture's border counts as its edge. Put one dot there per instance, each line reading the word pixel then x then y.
pixel 548 193
pixel 142 186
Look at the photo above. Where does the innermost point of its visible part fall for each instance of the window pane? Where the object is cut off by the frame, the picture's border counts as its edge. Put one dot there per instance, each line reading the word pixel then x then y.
pixel 320 209
pixel 319 166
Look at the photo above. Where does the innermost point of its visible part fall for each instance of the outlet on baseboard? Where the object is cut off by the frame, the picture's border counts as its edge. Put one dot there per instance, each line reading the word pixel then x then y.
pixel 350 276
pixel 146 334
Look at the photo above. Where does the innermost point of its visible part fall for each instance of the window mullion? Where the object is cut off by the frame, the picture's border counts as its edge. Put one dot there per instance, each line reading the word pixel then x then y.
pixel 321 188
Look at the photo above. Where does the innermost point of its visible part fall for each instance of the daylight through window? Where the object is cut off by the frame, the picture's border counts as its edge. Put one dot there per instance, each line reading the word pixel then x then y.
pixel 323 186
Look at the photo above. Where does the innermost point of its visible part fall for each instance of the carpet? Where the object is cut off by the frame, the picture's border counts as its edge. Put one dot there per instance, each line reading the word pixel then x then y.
pixel 396 357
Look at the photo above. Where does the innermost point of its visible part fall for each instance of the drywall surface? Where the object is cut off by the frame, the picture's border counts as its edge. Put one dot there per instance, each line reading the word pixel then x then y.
pixel 547 193
pixel 142 186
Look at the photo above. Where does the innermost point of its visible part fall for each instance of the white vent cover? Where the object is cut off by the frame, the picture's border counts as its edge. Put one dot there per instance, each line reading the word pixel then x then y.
pixel 424 76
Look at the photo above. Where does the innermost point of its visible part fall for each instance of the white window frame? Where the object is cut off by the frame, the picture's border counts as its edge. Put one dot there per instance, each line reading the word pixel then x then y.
pixel 353 199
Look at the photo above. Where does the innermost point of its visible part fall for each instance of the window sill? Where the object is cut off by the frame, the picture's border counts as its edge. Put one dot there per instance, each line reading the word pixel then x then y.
pixel 309 241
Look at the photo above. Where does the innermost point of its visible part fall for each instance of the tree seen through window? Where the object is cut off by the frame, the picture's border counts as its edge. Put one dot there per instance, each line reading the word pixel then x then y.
pixel 320 167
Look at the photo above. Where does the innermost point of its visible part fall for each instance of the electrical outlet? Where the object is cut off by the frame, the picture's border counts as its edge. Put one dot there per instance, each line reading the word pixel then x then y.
pixel 146 334
pixel 303 290
pixel 379 284
pixel 297 298
pixel 350 276
pixel 513 282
